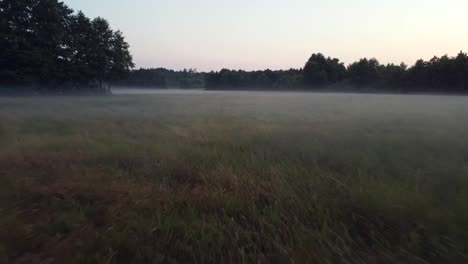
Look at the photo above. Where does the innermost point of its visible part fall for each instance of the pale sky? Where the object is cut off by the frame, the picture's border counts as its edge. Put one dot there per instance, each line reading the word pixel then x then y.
pixel 282 34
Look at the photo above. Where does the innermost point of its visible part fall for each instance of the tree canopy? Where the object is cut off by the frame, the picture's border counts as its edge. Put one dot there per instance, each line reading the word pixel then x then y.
pixel 321 71
pixel 44 43
pixel 444 74
pixel 163 78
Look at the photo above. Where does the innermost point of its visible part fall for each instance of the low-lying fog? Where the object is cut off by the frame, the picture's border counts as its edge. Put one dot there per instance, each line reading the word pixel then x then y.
pixel 249 105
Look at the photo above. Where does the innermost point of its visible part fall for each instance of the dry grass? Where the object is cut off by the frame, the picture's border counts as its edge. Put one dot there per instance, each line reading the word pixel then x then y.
pixel 235 178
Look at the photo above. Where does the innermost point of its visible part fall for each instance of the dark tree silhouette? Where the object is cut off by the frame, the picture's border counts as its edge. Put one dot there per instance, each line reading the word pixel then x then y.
pixel 445 75
pixel 364 72
pixel 163 78
pixel 44 44
pixel 320 71
pixel 81 49
pixel 243 80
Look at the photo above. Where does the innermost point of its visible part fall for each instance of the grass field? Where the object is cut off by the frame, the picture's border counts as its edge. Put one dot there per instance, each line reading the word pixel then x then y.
pixel 234 178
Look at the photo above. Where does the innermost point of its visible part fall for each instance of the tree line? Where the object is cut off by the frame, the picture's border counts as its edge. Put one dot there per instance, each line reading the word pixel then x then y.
pixel 225 79
pixel 268 79
pixel 46 44
pixel 439 74
pixel 163 78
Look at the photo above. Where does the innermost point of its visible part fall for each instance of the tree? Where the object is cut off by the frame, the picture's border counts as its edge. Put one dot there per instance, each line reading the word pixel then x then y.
pixel 321 71
pixel 263 80
pixel 461 66
pixel 15 43
pixel 121 59
pixel 315 71
pixel 102 53
pixel 110 58
pixel 364 72
pixel 43 43
pixel 80 49
pixel 49 21
pixel 392 76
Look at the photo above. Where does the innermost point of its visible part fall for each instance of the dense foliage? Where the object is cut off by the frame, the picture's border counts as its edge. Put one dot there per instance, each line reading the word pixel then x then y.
pixel 268 79
pixel 163 78
pixel 44 43
pixel 444 74
pixel 321 71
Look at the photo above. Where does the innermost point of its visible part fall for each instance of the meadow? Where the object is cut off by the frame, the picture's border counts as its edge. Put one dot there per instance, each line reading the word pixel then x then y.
pixel 246 177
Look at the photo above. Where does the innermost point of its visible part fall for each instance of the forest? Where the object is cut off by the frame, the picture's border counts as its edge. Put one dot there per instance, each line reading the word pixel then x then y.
pixel 46 45
pixel 440 74
pixel 163 78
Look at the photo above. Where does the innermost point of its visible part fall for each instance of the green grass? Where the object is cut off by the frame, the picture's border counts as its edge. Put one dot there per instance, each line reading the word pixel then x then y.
pixel 235 178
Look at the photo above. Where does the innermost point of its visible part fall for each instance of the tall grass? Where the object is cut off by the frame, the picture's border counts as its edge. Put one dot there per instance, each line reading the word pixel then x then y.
pixel 236 178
